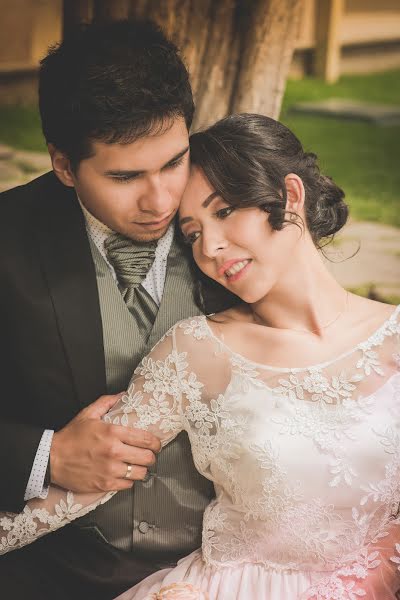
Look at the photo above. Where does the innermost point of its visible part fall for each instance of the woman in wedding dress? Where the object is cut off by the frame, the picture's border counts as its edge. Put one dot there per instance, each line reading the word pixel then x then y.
pixel 290 398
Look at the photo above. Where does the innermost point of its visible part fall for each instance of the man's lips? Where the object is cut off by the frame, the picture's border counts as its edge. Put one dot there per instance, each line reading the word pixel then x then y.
pixel 155 224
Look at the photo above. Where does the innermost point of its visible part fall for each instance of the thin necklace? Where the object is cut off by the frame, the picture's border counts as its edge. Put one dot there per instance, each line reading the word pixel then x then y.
pixel 326 325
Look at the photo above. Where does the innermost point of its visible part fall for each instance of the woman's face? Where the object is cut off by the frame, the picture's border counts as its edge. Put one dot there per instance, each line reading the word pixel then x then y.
pixel 235 247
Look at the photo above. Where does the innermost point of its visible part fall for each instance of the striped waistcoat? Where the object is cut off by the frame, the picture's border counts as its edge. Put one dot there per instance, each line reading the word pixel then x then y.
pixel 161 518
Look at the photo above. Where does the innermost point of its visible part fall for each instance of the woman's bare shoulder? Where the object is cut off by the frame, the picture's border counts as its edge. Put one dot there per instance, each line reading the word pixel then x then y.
pixel 370 312
pixel 238 314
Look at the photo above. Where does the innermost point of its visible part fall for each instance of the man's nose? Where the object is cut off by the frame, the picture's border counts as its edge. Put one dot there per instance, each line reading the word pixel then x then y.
pixel 156 198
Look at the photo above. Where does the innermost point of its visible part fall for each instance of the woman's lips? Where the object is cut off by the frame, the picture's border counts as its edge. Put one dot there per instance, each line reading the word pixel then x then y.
pixel 239 274
pixel 235 269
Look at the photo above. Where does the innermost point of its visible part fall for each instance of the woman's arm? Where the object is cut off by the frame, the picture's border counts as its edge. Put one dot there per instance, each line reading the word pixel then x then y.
pixel 152 402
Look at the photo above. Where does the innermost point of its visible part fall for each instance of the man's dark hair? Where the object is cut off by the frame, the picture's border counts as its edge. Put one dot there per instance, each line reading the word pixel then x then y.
pixel 113 82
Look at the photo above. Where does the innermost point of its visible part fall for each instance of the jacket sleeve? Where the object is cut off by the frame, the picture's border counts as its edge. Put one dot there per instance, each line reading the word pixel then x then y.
pixel 18 447
pixel 153 402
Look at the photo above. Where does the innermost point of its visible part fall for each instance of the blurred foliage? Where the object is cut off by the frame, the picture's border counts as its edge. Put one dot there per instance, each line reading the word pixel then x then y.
pixel 380 88
pixel 361 157
pixel 20 128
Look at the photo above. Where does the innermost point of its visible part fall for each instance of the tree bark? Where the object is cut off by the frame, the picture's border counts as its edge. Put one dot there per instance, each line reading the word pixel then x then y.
pixel 111 10
pixel 267 47
pixel 76 12
pixel 238 52
pixel 204 32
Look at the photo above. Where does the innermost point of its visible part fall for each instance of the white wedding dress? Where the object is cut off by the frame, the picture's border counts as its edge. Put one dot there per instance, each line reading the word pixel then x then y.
pixel 305 463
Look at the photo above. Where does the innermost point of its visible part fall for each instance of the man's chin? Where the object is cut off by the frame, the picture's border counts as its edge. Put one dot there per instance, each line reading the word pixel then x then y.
pixel 147 236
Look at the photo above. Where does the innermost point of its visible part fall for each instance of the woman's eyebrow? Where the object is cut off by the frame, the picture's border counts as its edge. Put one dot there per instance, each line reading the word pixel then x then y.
pixel 204 204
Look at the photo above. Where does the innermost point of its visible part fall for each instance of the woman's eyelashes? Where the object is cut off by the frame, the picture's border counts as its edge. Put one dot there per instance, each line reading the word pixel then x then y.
pixel 190 238
pixel 221 213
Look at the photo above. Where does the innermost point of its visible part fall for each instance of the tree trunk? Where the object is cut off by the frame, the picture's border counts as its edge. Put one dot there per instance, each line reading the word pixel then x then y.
pixel 238 51
pixel 111 10
pixel 204 31
pixel 76 12
pixel 268 42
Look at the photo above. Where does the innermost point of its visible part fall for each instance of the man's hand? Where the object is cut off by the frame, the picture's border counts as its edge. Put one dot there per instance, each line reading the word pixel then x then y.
pixel 88 455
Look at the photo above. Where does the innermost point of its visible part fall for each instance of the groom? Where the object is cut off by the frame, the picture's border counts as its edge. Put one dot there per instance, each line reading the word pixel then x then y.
pixel 92 275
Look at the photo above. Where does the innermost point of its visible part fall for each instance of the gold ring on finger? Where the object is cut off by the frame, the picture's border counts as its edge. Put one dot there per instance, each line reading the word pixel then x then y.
pixel 128 472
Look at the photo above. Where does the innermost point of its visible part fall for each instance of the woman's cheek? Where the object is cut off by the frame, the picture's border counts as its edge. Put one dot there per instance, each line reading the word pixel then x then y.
pixel 204 264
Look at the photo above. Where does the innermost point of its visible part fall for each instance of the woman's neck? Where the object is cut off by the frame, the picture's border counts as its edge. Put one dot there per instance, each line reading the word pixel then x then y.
pixel 306 298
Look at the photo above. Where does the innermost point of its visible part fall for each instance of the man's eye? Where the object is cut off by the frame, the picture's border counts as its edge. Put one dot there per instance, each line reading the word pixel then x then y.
pixel 124 178
pixel 175 163
pixel 190 238
pixel 224 212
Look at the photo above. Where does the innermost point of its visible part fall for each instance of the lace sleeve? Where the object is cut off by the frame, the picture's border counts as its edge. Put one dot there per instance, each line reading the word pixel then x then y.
pixel 152 402
pixel 153 399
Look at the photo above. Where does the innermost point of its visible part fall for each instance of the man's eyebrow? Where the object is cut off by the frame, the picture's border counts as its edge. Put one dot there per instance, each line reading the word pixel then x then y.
pixel 204 204
pixel 132 173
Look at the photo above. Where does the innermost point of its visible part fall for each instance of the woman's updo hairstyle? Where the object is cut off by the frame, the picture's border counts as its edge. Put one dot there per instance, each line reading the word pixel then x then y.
pixel 246 158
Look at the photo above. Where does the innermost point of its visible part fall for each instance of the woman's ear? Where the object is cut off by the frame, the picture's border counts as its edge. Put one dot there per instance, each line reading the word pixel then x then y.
pixel 61 165
pixel 295 194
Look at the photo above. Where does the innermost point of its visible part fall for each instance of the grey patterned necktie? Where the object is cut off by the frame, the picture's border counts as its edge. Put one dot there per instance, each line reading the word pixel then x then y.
pixel 132 261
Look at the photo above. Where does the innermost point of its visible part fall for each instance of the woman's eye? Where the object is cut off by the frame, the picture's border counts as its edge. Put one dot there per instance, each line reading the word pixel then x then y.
pixel 190 238
pixel 224 212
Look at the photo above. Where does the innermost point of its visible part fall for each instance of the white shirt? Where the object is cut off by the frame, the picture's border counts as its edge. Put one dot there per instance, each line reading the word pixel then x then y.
pixel 154 285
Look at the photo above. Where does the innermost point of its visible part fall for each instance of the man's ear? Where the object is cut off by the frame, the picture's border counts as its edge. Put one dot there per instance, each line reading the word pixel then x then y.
pixel 61 165
pixel 295 194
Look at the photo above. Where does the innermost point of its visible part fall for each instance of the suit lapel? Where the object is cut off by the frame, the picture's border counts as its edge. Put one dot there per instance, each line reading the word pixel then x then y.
pixel 70 273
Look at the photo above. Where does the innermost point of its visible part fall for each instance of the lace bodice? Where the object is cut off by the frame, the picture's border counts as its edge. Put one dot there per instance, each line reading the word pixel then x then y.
pixel 305 462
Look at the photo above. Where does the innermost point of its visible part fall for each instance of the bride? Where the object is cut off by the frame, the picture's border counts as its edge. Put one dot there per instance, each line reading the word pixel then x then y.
pixel 290 397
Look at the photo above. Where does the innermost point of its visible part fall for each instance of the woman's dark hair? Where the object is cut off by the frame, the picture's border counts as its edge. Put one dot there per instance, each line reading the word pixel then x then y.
pixel 112 82
pixel 246 158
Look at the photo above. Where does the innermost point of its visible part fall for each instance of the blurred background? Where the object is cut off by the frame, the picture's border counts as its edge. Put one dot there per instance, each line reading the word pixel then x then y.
pixel 329 69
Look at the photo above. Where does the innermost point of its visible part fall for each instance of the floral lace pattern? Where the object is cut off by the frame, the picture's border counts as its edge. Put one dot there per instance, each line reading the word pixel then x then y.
pixel 305 462
pixel 32 523
pixel 323 407
pixel 258 492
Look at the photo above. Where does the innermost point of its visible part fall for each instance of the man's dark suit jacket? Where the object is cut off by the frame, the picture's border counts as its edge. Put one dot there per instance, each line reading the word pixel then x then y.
pixel 51 366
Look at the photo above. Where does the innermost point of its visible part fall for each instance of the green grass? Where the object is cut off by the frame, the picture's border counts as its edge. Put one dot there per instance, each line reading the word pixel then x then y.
pixel 363 158
pixel 380 88
pixel 20 128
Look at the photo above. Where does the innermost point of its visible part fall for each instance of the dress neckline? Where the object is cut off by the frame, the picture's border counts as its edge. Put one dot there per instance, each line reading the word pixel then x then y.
pixel 381 330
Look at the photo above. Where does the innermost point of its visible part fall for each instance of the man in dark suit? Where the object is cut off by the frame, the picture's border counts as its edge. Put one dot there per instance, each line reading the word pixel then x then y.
pixel 92 276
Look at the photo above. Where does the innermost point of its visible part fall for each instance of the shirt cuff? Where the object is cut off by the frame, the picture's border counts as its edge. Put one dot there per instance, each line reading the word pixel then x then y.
pixel 36 487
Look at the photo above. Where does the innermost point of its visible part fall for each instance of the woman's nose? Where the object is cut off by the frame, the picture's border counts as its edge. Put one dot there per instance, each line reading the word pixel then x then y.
pixel 213 244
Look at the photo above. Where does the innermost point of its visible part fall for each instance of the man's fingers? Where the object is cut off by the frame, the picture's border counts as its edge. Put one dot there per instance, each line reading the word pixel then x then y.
pixel 138 438
pixel 137 456
pixel 123 478
pixel 135 473
pixel 122 484
pixel 102 405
